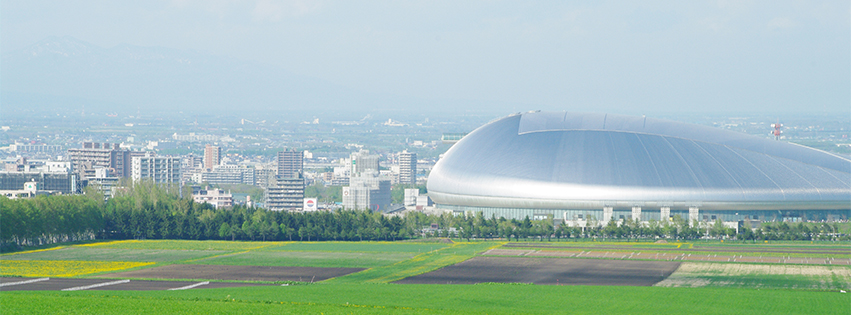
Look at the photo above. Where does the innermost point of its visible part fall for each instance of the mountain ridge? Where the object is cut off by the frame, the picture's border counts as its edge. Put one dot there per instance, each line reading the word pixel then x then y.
pixel 163 79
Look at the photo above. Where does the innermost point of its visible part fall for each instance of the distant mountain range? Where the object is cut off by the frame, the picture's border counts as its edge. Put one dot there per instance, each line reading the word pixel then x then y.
pixel 64 72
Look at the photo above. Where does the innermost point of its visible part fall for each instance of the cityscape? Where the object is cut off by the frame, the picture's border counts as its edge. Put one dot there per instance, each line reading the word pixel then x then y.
pixel 250 163
pixel 425 157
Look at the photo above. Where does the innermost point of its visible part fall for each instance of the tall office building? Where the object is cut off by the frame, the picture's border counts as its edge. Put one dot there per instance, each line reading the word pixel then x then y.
pixel 363 162
pixel 287 192
pixel 212 156
pixel 290 163
pixel 95 155
pixel 158 169
pixel 408 168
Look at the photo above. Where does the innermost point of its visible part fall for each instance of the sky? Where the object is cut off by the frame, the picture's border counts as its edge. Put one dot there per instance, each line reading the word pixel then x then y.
pixel 615 56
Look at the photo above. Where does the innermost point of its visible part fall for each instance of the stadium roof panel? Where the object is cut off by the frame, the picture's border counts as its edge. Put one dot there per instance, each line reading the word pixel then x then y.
pixel 565 160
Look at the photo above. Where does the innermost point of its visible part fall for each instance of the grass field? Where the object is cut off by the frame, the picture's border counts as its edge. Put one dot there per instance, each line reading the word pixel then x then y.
pixel 419 264
pixel 760 276
pixel 183 245
pixel 362 247
pixel 696 287
pixel 431 299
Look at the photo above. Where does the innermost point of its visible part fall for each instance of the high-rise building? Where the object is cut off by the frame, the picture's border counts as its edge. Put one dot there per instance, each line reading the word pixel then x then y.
pixel 363 162
pixel 287 191
pixel 367 192
pixel 96 155
pixel 212 156
pixel 158 169
pixel 408 168
pixel 290 163
pixel 286 195
pixel 264 177
pixel 191 164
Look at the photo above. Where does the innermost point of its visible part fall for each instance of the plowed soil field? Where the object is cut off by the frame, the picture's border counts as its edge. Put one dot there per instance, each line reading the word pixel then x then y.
pixel 240 273
pixel 551 271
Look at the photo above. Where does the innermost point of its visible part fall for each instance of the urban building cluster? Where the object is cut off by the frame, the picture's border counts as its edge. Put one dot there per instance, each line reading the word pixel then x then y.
pixel 575 169
pixel 366 184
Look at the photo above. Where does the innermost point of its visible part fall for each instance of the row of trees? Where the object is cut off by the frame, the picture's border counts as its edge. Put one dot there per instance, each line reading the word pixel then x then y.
pixel 149 211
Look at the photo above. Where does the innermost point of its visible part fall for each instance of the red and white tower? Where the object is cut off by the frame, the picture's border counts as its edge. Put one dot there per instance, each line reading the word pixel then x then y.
pixel 777 130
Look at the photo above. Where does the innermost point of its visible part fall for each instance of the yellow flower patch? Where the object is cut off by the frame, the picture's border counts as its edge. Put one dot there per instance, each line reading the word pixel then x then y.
pixel 62 268
pixel 108 243
pixel 34 251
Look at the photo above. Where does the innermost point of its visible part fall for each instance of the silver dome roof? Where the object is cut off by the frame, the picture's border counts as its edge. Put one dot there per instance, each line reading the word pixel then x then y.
pixel 563 160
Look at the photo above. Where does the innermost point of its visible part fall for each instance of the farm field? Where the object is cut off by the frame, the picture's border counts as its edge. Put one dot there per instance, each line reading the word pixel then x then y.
pixel 430 299
pixel 818 254
pixel 760 276
pixel 382 277
pixel 239 273
pixel 361 247
pixel 67 284
pixel 548 271
pixel 310 259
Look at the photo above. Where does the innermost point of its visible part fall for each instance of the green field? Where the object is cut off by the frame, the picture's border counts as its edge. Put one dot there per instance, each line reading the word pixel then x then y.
pixel 361 247
pixel 419 264
pixel 431 299
pixel 697 287
pixel 185 245
pixel 760 276
pixel 308 259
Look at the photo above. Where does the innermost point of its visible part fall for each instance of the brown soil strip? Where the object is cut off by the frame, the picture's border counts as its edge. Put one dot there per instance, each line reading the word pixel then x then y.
pixel 240 273
pixel 546 271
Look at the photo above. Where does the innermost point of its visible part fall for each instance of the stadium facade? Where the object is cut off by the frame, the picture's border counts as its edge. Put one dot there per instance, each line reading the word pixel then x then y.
pixel 591 168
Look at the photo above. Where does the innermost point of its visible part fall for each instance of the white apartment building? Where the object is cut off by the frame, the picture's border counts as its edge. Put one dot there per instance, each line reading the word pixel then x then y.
pixel 159 169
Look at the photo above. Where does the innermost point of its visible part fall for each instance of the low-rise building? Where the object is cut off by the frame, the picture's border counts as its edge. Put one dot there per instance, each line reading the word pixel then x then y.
pixel 216 197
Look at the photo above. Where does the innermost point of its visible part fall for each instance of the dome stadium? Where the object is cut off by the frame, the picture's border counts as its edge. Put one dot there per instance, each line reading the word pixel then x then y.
pixel 588 167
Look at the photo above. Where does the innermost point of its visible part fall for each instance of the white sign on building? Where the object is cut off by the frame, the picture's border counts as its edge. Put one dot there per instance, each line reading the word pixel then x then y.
pixel 310 204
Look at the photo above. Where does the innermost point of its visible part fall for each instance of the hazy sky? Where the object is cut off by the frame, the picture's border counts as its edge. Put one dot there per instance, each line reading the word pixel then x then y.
pixel 628 56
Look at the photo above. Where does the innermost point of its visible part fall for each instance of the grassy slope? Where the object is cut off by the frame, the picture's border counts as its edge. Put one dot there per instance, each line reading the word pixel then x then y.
pixel 432 299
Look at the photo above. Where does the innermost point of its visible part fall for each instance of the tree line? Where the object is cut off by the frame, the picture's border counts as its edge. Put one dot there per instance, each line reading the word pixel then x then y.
pixel 151 211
